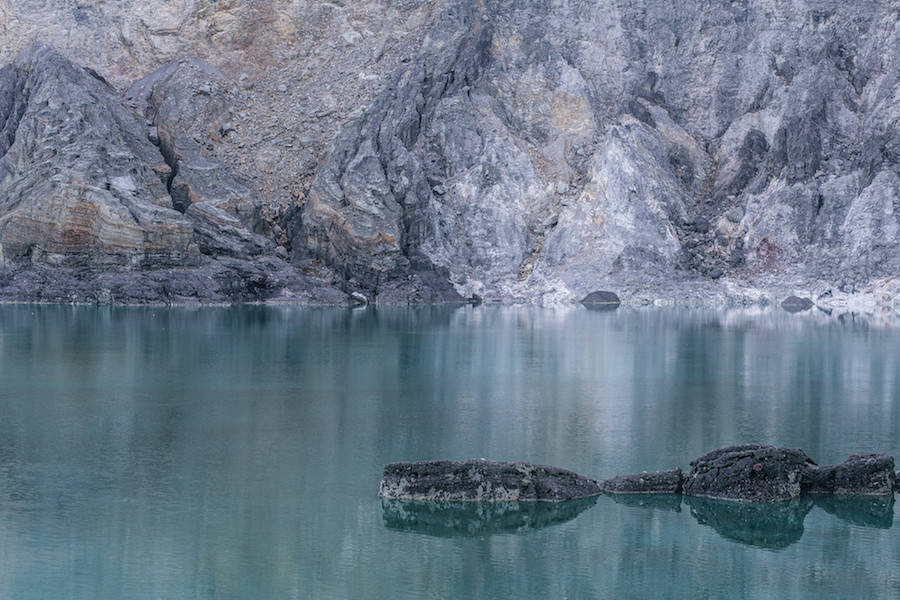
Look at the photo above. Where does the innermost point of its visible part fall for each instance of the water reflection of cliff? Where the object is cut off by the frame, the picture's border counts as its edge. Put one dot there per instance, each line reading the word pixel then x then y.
pixel 472 519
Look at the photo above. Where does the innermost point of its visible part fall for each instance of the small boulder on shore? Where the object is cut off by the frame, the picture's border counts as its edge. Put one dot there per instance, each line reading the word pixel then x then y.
pixel 601 299
pixel 795 304
pixel 483 481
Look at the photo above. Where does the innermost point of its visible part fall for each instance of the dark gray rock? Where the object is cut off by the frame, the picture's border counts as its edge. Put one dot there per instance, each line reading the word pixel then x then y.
pixel 794 304
pixel 661 482
pixel 601 298
pixel 477 519
pixel 483 481
pixel 859 475
pixel 750 473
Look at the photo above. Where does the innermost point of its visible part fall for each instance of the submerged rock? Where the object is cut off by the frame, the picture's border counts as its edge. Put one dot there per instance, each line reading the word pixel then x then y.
pixel 483 481
pixel 470 519
pixel 601 299
pixel 750 473
pixel 662 482
pixel 859 475
pixel 794 304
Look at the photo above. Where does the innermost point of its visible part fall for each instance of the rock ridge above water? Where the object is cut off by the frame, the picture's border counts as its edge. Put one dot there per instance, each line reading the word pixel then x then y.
pixel 747 473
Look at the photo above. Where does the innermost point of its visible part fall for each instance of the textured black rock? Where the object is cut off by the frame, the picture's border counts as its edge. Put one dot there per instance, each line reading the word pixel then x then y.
pixel 662 482
pixel 859 475
pixel 771 525
pixel 601 299
pixel 750 473
pixel 471 519
pixel 794 304
pixel 483 481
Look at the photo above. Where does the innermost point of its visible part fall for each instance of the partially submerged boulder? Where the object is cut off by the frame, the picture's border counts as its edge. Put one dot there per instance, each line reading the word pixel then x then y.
pixel 601 300
pixel 795 304
pixel 661 482
pixel 483 481
pixel 750 473
pixel 859 475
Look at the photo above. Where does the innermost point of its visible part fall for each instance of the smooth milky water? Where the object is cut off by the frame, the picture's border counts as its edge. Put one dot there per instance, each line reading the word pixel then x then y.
pixel 236 452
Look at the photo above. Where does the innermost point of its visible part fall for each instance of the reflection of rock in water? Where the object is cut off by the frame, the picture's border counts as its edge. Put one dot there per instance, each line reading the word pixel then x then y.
pixel 767 525
pixel 472 519
pixel 866 511
pixel 671 502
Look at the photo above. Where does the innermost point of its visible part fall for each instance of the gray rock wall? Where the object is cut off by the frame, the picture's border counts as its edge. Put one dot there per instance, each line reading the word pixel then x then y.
pixel 515 150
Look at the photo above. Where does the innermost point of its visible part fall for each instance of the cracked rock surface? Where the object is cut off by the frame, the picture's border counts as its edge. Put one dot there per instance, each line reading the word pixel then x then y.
pixel 87 211
pixel 450 149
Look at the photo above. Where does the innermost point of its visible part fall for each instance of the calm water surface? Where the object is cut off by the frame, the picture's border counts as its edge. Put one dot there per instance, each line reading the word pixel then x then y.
pixel 236 453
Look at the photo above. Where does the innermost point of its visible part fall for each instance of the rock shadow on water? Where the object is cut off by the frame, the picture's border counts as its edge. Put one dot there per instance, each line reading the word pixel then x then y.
pixel 668 502
pixel 478 519
pixel 772 525
pixel 866 511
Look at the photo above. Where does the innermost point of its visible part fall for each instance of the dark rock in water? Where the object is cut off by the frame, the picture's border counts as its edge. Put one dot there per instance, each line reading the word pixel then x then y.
pixel 471 519
pixel 483 481
pixel 773 525
pixel 861 475
pixel 865 511
pixel 670 502
pixel 662 482
pixel 751 473
pixel 794 304
pixel 601 299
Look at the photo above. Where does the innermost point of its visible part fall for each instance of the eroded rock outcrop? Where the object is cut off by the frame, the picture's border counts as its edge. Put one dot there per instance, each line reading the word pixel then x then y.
pixel 511 151
pixel 483 481
pixel 87 209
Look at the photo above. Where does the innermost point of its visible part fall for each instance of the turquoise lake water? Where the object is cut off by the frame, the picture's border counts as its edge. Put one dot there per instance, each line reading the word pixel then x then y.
pixel 235 453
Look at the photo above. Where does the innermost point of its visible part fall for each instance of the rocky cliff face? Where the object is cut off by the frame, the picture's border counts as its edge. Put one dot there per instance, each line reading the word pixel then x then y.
pixel 513 151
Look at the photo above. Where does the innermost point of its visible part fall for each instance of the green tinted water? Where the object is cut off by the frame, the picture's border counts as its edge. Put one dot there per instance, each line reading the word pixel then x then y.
pixel 236 453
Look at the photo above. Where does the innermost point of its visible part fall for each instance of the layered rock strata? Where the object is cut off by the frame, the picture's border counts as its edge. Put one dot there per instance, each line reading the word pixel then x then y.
pixel 417 152
pixel 99 206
